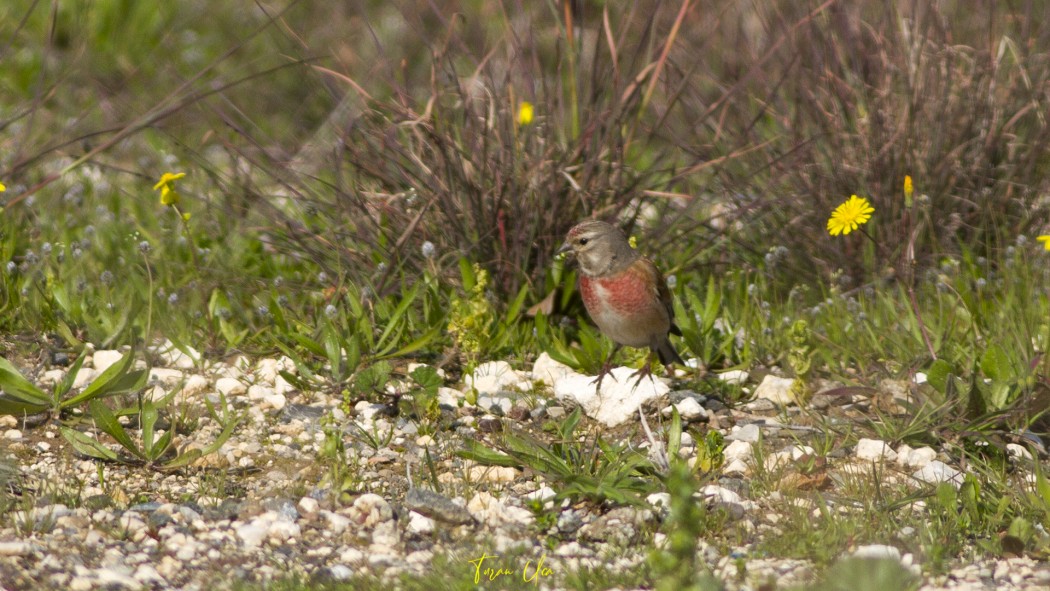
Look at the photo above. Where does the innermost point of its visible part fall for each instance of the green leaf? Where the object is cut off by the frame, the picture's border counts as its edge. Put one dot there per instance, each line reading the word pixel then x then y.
pixel 64 386
pixel 182 460
pixel 16 386
pixel 148 419
pixel 488 456
pixel 161 447
pixel 427 377
pixel 227 432
pixel 674 434
pixel 87 445
pixel 104 385
pixel 466 274
pixel 515 306
pixel 995 364
pixel 107 422
pixel 937 375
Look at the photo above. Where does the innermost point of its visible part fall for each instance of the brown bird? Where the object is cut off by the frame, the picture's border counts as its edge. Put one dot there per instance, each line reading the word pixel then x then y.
pixel 624 293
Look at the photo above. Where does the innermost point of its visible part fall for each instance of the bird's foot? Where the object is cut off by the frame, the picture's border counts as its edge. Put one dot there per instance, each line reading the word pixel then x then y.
pixel 646 371
pixel 606 369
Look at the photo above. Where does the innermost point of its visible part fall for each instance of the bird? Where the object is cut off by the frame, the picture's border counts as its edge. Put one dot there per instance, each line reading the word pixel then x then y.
pixel 624 293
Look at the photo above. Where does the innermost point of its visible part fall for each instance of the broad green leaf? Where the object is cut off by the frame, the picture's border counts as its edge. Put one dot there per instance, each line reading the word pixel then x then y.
pixel 466 274
pixel 995 364
pixel 87 445
pixel 107 422
pixel 182 460
pixel 129 382
pixel 161 447
pixel 937 375
pixel 66 384
pixel 15 385
pixel 102 383
pixel 10 405
pixel 485 455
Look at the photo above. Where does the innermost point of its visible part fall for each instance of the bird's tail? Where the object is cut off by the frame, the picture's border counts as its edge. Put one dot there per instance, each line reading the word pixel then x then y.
pixel 667 353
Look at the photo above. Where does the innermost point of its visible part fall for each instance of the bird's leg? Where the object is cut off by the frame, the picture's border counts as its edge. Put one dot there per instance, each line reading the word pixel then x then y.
pixel 606 368
pixel 646 371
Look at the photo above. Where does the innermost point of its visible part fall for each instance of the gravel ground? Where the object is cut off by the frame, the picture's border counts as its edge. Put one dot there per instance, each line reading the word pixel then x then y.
pixel 264 506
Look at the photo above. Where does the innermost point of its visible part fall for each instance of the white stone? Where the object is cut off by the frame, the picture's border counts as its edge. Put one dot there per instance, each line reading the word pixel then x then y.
pixel 738 450
pixel 799 451
pixel 145 573
pixel 493 376
pixel 52 377
pixel 543 493
pixel 688 408
pixel 308 505
pixel 371 509
pixel 282 530
pixel 340 572
pixel 493 474
pixel 230 386
pixel 252 533
pixel 936 472
pixel 1018 451
pixel 915 458
pixel 195 384
pixel 351 555
pixel 275 401
pixel 102 360
pixel 493 512
pixel 735 467
pixel 282 386
pixel 172 356
pixel 659 500
pixel 268 369
pixel 419 524
pixel 259 392
pixel 84 376
pixel 719 495
pixel 111 577
pixel 776 390
pixel 449 397
pixel 13 434
pixel 336 523
pixel 879 551
pixel 875 449
pixel 749 433
pixel 549 371
pixel 367 411
pixel 165 376
pixel 734 376
pixel 620 396
pixel 15 548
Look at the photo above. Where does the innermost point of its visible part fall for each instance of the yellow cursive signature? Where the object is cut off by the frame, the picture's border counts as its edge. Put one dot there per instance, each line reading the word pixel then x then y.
pixel 529 573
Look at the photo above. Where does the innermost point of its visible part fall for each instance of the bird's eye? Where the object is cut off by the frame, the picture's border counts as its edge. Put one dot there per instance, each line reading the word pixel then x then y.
pixel 583 241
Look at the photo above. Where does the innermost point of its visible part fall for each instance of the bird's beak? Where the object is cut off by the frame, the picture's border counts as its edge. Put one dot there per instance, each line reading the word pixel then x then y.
pixel 565 248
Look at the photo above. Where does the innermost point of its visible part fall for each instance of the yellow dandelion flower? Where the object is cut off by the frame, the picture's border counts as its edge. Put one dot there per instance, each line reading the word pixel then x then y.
pixel 166 186
pixel 633 241
pixel 2 188
pixel 1045 240
pixel 525 112
pixel 909 189
pixel 849 216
